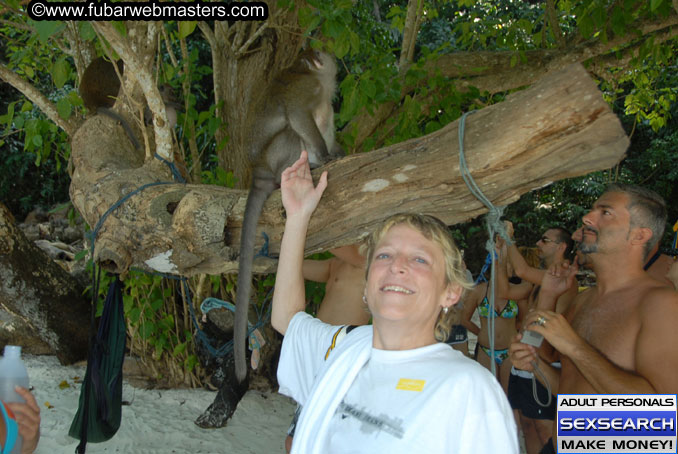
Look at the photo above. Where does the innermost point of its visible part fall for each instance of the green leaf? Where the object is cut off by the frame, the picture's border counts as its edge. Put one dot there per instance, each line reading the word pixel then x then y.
pixel 37 140
pixel 60 72
pixel 134 315
pixel 8 117
pixel 86 31
pixel 191 362
pixel 369 88
pixel 156 304
pixel 64 108
pixel 654 4
pixel 585 26
pixel 179 349
pixel 333 29
pixel 74 98
pixel 186 28
pixel 46 29
pixel 305 18
pixel 120 27
pixel 618 21
pixel 342 47
pixel 147 330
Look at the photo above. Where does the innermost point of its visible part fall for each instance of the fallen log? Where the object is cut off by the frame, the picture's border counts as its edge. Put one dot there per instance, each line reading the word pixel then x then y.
pixel 560 127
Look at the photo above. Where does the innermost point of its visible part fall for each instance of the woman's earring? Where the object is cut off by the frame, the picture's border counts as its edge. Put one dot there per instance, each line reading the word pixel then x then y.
pixel 445 309
pixel 365 300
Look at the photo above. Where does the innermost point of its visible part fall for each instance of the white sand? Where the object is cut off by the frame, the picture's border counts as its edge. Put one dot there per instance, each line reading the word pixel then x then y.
pixel 157 421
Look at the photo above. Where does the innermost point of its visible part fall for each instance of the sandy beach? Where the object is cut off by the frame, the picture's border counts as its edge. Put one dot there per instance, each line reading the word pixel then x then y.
pixel 157 421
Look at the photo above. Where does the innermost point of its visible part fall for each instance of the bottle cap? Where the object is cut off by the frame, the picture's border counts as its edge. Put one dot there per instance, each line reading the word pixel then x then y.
pixel 12 351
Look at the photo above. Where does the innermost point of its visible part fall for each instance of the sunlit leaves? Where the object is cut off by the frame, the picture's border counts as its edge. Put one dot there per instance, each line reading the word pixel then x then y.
pixel 186 28
pixel 47 29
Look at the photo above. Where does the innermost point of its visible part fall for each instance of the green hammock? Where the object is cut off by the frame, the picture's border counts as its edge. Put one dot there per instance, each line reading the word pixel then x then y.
pixel 99 412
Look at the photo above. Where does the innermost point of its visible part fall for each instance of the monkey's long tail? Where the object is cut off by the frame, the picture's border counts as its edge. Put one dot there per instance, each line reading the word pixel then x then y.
pixel 259 192
pixel 130 134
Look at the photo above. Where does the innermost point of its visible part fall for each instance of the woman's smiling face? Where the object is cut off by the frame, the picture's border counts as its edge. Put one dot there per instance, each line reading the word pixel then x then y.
pixel 406 279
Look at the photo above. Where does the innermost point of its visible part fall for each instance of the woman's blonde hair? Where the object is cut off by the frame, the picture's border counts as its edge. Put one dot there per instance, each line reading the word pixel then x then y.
pixel 434 230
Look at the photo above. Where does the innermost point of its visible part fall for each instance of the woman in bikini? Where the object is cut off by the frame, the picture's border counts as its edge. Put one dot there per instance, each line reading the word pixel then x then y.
pixel 508 315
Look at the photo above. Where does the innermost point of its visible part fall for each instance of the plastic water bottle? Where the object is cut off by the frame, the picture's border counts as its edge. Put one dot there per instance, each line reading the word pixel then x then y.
pixel 12 373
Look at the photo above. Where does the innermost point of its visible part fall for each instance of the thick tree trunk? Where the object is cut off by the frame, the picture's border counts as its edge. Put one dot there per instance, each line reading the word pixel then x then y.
pixel 558 128
pixel 39 299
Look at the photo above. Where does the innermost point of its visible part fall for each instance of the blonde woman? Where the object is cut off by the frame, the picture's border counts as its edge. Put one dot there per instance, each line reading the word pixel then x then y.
pixel 390 386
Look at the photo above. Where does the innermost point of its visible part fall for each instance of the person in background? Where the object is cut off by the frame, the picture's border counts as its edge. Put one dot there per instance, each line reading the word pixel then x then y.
pixel 20 419
pixel 344 278
pixel 536 421
pixel 618 337
pixel 506 312
pixel 672 275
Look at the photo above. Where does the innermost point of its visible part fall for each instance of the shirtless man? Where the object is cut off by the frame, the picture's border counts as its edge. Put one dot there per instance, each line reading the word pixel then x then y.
pixel 344 275
pixel 536 421
pixel 618 337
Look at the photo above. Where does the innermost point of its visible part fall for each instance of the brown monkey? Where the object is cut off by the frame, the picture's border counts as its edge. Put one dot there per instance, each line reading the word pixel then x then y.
pixel 99 89
pixel 295 113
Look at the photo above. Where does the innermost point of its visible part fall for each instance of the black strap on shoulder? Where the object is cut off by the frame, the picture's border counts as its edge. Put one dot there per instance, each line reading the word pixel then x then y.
pixel 652 260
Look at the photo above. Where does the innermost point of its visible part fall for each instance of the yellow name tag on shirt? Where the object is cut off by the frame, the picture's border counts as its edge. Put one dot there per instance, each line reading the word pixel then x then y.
pixel 410 384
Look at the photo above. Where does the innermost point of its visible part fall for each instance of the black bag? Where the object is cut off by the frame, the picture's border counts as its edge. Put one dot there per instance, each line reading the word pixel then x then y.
pixel 458 335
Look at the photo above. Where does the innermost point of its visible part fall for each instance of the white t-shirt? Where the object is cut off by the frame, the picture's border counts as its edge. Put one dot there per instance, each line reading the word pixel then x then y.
pixel 431 399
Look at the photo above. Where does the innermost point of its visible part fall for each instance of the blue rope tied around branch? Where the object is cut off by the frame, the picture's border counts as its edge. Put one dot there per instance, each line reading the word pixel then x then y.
pixel 264 251
pixel 494 226
pixel 92 236
pixel 263 315
pixel 173 168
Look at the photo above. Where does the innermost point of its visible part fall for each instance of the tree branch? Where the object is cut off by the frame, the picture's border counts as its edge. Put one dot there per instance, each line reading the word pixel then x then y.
pixel 550 10
pixel 410 32
pixel 40 100
pixel 492 71
pixel 558 128
pixel 137 65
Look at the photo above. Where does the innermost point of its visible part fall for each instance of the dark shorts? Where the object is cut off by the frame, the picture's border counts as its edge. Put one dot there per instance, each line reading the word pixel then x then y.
pixel 548 448
pixel 521 398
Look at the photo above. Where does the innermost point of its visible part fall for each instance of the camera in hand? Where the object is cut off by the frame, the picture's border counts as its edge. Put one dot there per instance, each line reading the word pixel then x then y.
pixel 532 338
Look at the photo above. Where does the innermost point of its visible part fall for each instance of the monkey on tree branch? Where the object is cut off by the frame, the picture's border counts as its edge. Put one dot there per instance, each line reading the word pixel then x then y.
pixel 294 113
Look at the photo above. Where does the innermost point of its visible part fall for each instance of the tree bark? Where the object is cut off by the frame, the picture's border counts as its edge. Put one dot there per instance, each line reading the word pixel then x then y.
pixel 559 128
pixel 39 297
